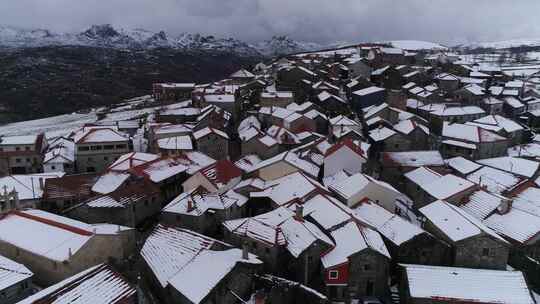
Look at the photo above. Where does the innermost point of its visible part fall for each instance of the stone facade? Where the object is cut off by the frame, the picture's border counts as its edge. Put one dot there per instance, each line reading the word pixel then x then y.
pixel 213 145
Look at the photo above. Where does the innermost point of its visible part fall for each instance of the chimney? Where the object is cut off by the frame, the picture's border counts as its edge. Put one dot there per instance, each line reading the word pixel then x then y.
pixel 299 212
pixel 190 206
pixel 505 206
pixel 245 252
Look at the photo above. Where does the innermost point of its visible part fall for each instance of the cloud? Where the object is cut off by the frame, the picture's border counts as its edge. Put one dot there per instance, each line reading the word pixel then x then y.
pixel 310 20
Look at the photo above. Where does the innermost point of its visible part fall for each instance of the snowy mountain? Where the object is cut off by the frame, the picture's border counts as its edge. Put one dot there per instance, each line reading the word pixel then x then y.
pixel 505 44
pixel 110 37
pixel 415 45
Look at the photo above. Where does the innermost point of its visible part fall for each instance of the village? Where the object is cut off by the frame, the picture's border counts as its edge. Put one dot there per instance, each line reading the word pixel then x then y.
pixel 364 174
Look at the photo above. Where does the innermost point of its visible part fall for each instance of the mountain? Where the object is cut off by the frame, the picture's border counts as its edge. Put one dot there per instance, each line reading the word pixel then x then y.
pixel 504 44
pixel 416 45
pixel 107 36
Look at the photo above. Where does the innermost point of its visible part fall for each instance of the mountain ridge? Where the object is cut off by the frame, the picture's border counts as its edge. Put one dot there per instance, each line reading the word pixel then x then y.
pixel 107 36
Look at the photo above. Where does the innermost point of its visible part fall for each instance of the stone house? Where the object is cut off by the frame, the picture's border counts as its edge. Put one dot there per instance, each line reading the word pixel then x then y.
pixel 276 99
pixel 387 77
pixel 67 191
pixel 218 177
pixel 60 156
pixel 172 92
pixel 256 142
pixel 474 245
pixel 213 142
pixel 287 243
pixel 129 205
pixel 290 78
pixel 358 67
pixel 447 82
pixel 22 154
pixel 358 265
pixel 227 102
pixel 97 148
pixel 15 282
pixel 406 242
pixel 359 187
pixel 202 212
pixel 384 139
pixel 223 273
pixel 55 247
pixel 331 102
pixel 471 141
pixel 344 155
pixel 321 121
pixel 424 185
pixel 394 164
pixel 242 76
pixel 367 97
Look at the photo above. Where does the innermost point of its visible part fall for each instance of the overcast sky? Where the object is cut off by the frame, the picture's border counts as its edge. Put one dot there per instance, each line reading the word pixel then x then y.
pixel 447 22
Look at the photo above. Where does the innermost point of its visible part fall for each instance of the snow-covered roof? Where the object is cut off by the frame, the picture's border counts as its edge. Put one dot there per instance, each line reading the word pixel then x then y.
pixel 242 73
pixel 109 182
pixel 457 111
pixel 285 190
pixel 380 134
pixel 350 239
pixel 462 165
pixel 175 143
pixel 469 133
pixel 220 173
pixel 99 135
pixel 496 181
pixel 49 235
pixel 60 151
pixel 436 185
pixel 391 226
pixel 409 125
pixel 348 187
pixel 515 165
pixel 196 204
pixel 522 223
pixel 342 120
pixel 368 91
pixel 279 227
pixel 130 160
pixel 18 140
pixel 500 121
pixel 413 158
pixel 27 186
pixel 206 131
pixel 12 273
pixel 97 285
pixel 465 285
pixel 292 159
pixel 247 162
pixel 223 98
pixel 455 223
pixel 174 255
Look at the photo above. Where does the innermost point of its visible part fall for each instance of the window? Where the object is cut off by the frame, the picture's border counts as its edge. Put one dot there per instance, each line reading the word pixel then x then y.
pixel 120 146
pixel 105 158
pixel 28 160
pixel 27 148
pixel 253 245
pixel 333 274
pixel 53 167
pixel 367 267
pixel 485 252
pixel 84 148
pixel 17 149
pixel 17 160
pixel 146 203
pixel 108 147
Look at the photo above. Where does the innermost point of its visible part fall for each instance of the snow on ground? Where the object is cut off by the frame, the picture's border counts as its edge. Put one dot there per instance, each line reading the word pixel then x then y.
pixel 414 45
pixel 53 126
